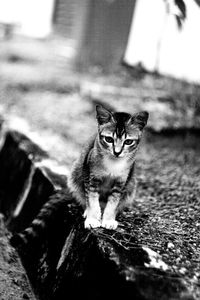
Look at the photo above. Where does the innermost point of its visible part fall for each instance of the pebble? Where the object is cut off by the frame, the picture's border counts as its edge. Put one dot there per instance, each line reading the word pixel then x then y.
pixel 170 245
pixel 182 270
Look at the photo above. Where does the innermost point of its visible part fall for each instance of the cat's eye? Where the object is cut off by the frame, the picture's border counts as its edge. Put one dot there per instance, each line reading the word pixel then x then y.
pixel 129 142
pixel 109 139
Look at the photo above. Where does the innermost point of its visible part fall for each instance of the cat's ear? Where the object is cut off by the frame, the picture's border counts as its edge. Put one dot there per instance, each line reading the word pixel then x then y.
pixel 103 115
pixel 140 119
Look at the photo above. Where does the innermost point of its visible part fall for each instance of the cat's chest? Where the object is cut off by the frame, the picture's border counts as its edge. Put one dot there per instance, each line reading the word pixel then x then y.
pixel 116 168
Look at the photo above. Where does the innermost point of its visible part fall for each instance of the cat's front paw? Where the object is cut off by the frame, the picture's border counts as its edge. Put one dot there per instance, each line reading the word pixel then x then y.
pixel 92 223
pixel 109 224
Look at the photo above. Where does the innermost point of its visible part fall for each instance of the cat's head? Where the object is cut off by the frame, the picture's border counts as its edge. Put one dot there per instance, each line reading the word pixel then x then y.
pixel 119 132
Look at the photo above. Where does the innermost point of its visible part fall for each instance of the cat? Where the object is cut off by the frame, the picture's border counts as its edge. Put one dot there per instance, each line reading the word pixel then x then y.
pixel 103 178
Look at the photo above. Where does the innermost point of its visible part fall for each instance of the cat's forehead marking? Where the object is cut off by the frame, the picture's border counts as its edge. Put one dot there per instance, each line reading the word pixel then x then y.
pixel 119 138
pixel 121 128
pixel 121 120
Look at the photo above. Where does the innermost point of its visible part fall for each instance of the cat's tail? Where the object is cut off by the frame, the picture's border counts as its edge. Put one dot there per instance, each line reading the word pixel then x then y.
pixel 51 211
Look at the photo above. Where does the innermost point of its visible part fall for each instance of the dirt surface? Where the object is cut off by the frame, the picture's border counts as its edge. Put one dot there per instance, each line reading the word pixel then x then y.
pixel 14 284
pixel 59 105
pixel 166 210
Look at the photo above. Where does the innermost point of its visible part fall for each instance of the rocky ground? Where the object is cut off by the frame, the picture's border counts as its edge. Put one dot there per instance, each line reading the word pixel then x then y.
pixel 166 216
pixel 14 284
pixel 39 93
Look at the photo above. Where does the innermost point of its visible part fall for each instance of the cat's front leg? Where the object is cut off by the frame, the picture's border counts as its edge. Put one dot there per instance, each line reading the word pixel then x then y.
pixel 93 210
pixel 109 215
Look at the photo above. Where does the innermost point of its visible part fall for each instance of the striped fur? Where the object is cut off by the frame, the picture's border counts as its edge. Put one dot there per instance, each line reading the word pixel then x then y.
pixel 49 215
pixel 104 173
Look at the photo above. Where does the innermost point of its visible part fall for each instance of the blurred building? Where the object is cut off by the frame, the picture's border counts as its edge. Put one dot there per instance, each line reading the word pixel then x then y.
pixel 100 29
pixel 104 32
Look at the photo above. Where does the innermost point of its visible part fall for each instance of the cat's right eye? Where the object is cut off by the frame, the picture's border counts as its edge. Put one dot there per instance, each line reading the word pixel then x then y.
pixel 129 142
pixel 109 139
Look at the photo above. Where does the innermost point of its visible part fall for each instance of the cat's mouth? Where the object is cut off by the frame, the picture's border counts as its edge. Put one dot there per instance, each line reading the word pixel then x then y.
pixel 118 155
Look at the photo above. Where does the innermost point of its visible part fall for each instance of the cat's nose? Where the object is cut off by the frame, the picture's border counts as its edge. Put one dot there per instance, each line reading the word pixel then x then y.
pixel 117 149
pixel 117 153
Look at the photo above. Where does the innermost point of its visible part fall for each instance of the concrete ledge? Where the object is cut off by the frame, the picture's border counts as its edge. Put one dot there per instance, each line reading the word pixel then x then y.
pixel 60 256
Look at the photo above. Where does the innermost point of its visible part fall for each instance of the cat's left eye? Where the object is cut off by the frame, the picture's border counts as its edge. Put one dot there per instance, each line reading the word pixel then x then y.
pixel 129 142
pixel 109 139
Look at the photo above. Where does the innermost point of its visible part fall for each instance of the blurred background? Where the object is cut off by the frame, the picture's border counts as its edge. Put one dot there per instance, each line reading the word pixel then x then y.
pixel 59 58
pixel 104 32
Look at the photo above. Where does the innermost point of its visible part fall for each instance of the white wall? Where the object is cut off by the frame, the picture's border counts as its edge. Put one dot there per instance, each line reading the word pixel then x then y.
pixel 33 16
pixel 179 50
